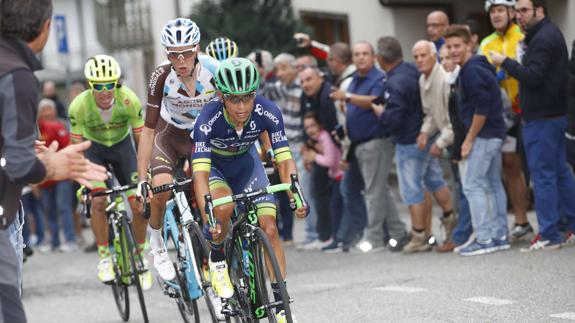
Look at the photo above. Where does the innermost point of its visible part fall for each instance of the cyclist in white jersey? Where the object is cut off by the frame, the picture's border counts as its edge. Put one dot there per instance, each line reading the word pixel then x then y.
pixel 177 91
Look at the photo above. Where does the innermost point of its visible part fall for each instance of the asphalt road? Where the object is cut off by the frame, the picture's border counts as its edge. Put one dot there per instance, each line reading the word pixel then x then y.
pixel 507 286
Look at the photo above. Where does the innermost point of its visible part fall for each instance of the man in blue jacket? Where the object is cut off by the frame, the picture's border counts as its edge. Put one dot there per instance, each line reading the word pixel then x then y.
pixel 480 109
pixel 543 77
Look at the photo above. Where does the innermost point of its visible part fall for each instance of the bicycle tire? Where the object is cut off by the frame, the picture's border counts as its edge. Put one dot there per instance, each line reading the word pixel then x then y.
pixel 187 307
pixel 201 254
pixel 119 289
pixel 260 247
pixel 134 269
pixel 240 281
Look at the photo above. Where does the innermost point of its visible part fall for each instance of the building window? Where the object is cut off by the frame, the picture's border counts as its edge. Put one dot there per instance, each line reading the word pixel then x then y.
pixel 327 28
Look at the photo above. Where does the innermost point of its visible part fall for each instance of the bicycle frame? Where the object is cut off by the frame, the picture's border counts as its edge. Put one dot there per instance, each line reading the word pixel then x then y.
pixel 187 259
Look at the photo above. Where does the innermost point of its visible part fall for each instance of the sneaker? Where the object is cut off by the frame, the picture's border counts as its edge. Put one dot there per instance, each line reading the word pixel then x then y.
pixel 366 247
pixel 569 240
pixel 146 276
pixel 106 270
pixel 313 245
pixel 333 247
pixel 44 248
pixel 221 282
pixel 448 246
pixel 163 264
pixel 478 248
pixel 418 242
pixel 447 226
pixel 537 244
pixel 281 317
pixel 68 247
pixel 502 244
pixel 91 248
pixel 396 245
pixel 288 243
pixel 467 243
pixel 519 232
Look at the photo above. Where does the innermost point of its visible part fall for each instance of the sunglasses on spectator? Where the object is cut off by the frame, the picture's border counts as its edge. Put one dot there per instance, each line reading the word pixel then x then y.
pixel 235 99
pixel 181 55
pixel 99 87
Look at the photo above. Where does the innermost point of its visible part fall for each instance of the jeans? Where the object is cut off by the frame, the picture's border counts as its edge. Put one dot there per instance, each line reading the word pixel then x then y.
pixel 417 172
pixel 464 229
pixel 335 207
pixel 17 241
pixel 321 186
pixel 553 181
pixel 57 200
pixel 354 216
pixel 11 309
pixel 33 207
pixel 305 182
pixel 481 178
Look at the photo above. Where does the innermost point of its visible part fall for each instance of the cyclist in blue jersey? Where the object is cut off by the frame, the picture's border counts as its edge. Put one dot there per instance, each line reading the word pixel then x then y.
pixel 225 161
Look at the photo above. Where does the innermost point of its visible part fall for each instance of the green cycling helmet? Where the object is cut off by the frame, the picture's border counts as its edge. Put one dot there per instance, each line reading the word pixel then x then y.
pixel 237 76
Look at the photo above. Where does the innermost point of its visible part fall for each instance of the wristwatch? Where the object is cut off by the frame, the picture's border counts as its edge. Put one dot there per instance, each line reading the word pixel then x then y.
pixel 347 96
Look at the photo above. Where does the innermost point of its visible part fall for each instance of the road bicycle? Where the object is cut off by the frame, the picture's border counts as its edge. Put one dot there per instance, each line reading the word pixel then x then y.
pixel 128 266
pixel 182 226
pixel 247 253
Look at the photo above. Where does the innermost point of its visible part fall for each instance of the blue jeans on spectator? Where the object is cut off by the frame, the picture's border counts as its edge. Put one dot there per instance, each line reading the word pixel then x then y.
pixel 481 178
pixel 305 182
pixel 15 234
pixel 464 229
pixel 33 207
pixel 554 184
pixel 57 200
pixel 354 217
pixel 417 172
pixel 335 207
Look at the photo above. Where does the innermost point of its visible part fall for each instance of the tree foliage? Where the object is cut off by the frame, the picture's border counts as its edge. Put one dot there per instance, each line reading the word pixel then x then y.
pixel 252 24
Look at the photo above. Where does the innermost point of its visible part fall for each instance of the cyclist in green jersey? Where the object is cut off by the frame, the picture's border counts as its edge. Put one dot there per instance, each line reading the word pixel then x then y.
pixel 104 114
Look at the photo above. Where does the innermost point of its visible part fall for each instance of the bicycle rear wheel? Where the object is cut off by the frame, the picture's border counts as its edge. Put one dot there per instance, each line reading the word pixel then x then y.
pixel 120 290
pixel 137 265
pixel 262 248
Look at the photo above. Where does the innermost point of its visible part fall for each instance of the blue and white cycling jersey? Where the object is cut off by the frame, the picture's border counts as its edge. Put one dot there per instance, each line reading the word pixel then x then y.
pixel 216 138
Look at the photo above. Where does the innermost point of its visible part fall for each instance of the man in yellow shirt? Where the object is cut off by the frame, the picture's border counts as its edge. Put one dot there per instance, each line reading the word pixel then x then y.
pixel 507 40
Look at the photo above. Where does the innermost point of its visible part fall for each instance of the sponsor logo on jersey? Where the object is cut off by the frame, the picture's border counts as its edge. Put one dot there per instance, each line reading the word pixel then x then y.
pixel 154 80
pixel 206 129
pixel 253 125
pixel 200 147
pixel 278 136
pixel 259 109
pixel 272 117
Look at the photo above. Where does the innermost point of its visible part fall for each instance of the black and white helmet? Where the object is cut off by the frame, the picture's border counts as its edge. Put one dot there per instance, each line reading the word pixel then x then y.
pixel 180 32
pixel 491 3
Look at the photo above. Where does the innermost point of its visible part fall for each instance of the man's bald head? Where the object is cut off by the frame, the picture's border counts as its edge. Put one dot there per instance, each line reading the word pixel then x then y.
pixel 436 24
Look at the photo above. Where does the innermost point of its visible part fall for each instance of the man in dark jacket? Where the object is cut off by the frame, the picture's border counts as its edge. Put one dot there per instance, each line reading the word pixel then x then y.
pixel 543 93
pixel 24 26
pixel 481 112
pixel 419 174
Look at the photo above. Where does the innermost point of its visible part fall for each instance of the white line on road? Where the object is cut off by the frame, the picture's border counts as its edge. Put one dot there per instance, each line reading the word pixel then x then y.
pixel 489 300
pixel 566 316
pixel 401 289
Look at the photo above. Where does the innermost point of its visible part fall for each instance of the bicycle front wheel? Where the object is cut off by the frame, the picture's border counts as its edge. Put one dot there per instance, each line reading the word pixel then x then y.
pixel 262 249
pixel 120 290
pixel 136 267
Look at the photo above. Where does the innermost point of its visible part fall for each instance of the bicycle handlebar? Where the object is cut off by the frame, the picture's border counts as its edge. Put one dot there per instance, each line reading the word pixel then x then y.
pixel 87 195
pixel 294 187
pixel 178 183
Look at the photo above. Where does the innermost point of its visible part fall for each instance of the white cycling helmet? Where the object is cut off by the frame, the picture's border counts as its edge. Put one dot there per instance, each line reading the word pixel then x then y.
pixel 490 3
pixel 180 32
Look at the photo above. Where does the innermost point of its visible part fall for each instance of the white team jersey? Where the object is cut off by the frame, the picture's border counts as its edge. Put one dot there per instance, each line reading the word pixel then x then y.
pixel 179 107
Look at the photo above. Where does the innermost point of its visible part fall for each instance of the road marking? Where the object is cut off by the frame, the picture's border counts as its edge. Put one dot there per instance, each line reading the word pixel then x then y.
pixel 489 300
pixel 401 289
pixel 566 316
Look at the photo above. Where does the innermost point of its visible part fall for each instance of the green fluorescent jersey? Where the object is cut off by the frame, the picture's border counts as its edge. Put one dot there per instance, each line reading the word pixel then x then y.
pixel 86 121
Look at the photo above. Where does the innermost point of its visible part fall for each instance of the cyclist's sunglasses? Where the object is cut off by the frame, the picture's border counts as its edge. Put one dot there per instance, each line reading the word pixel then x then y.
pixel 180 55
pixel 235 99
pixel 99 87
